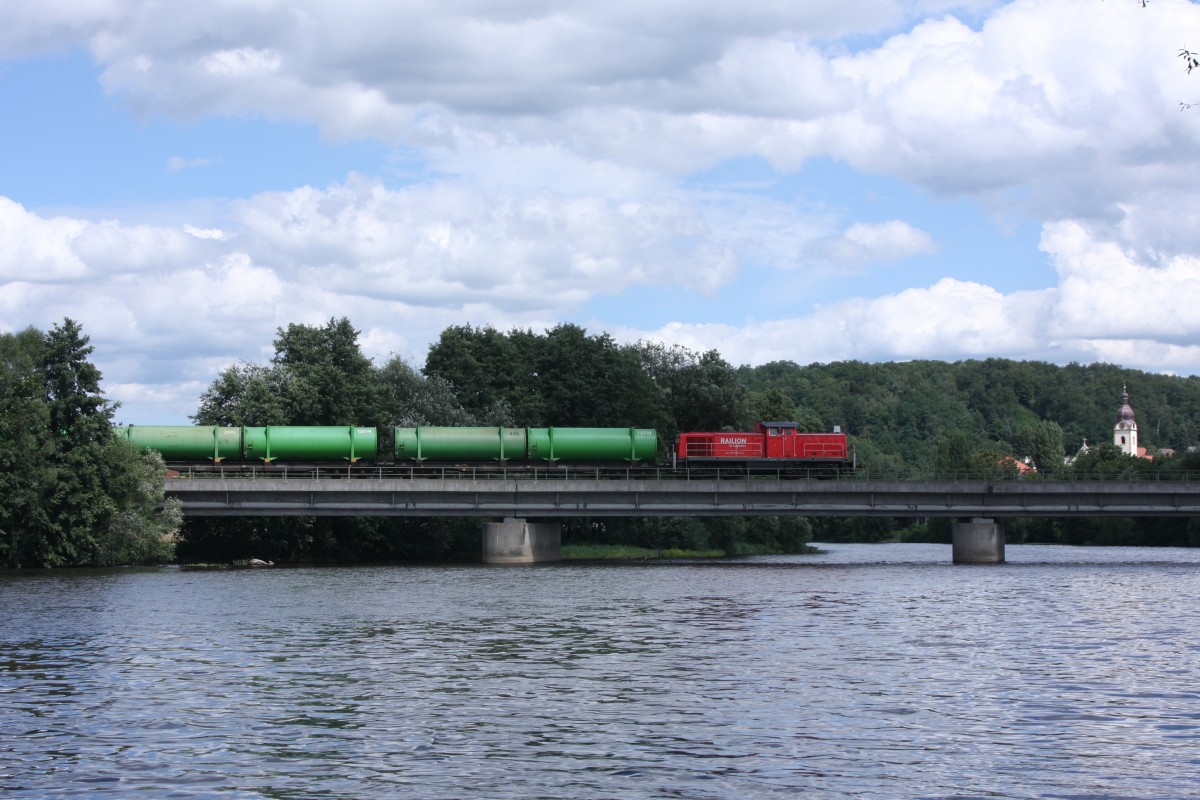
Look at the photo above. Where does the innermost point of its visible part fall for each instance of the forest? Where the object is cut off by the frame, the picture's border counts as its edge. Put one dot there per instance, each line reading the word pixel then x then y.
pixel 912 418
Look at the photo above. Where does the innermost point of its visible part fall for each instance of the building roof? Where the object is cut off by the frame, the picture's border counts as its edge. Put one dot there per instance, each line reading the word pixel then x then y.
pixel 1126 412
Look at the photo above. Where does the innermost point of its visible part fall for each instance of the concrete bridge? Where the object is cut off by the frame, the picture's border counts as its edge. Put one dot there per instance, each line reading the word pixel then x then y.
pixel 978 537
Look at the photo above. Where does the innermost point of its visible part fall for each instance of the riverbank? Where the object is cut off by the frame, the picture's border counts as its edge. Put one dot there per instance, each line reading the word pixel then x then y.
pixel 621 552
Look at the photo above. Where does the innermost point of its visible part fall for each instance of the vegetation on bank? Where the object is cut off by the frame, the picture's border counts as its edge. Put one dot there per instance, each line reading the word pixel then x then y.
pixel 72 493
pixel 624 552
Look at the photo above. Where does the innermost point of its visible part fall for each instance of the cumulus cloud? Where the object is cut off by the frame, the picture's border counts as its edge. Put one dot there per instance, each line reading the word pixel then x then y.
pixel 165 302
pixel 404 264
pixel 64 251
pixel 866 243
pixel 995 103
pixel 1106 307
pixel 557 143
pixel 979 108
pixel 1105 294
pixel 449 245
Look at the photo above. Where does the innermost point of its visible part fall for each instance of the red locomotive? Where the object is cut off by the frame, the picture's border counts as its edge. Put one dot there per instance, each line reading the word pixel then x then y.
pixel 772 447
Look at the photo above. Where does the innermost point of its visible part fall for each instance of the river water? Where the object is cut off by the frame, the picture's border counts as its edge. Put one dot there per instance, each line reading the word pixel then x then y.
pixel 868 671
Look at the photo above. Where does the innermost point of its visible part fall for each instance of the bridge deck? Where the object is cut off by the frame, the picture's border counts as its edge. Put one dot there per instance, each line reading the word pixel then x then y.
pixel 577 498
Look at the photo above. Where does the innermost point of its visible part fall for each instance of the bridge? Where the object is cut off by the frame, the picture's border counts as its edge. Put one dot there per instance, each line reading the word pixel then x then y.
pixel 452 497
pixel 517 498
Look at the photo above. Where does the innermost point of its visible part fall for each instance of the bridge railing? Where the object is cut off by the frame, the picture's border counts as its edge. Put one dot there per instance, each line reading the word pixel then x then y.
pixel 639 473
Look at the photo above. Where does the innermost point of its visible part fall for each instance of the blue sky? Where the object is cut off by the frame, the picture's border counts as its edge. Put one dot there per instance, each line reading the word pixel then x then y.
pixel 873 180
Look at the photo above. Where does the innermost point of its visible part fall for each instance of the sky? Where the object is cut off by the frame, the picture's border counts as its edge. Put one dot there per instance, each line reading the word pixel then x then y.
pixel 879 180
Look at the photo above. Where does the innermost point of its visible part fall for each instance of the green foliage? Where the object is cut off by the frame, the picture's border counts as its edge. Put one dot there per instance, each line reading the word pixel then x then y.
pixel 245 394
pixel 73 493
pixel 318 376
pixel 330 381
pixel 564 377
pixel 904 419
pixel 701 390
pixel 899 414
pixel 1043 441
pixel 1106 461
pixel 411 398
pixel 772 405
pixel 610 552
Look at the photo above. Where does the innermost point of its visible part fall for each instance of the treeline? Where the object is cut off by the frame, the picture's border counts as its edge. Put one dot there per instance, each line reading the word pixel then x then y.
pixel 980 417
pixel 71 492
pixel 480 376
pixel 905 415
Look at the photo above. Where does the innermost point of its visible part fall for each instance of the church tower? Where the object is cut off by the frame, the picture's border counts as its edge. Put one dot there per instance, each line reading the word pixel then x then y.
pixel 1125 431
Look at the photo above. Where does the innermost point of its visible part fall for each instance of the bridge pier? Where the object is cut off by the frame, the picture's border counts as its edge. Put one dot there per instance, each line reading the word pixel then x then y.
pixel 980 541
pixel 516 541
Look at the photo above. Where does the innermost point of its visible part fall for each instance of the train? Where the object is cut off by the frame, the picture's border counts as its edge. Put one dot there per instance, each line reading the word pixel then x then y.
pixel 772 447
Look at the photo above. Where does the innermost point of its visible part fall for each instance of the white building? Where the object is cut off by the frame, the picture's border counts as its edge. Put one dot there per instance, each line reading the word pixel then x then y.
pixel 1125 434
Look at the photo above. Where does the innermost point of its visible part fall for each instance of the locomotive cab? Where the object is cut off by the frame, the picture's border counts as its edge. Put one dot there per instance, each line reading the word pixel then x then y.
pixel 772 447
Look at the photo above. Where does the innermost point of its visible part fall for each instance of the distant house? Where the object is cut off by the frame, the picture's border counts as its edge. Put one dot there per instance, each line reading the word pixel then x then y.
pixel 1083 451
pixel 1024 467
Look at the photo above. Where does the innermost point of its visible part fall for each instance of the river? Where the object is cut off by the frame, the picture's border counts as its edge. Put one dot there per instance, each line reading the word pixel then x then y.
pixel 867 671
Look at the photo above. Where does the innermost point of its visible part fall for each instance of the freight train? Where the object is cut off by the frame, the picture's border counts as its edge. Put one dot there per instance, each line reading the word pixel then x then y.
pixel 773 447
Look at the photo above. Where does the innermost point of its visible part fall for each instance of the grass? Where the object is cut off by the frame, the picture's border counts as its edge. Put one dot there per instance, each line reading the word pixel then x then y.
pixel 617 552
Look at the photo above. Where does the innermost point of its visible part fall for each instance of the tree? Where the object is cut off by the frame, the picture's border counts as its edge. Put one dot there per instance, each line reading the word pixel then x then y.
pixel 74 493
pixel 1043 441
pixel 590 381
pixel 411 399
pixel 564 377
pixel 484 369
pixel 318 376
pixel 329 380
pixel 702 391
pixel 25 450
pixel 245 394
pixel 1106 461
pixel 772 405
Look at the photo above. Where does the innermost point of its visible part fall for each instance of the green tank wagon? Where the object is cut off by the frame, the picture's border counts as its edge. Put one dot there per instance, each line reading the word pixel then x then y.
pixel 188 442
pixel 439 444
pixel 592 444
pixel 257 444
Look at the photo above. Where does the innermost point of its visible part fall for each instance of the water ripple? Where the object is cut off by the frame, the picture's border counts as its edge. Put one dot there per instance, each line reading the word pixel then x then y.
pixel 868 672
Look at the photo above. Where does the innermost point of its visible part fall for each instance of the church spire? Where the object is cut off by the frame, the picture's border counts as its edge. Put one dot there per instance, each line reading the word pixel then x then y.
pixel 1125 435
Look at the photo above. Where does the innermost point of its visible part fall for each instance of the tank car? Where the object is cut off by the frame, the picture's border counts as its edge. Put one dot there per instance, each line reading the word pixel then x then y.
pixel 257 444
pixel 526 445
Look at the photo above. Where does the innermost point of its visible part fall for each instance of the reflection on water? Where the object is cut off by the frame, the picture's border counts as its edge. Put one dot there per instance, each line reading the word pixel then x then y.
pixel 867 671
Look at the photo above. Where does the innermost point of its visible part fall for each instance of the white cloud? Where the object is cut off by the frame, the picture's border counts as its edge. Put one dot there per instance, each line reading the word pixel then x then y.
pixel 177 163
pixel 866 243
pixel 206 233
pixel 450 246
pixel 65 251
pixel 1063 108
pixel 37 249
pixel 1107 307
pixel 163 305
pixel 1104 293
pixel 240 62
pixel 557 139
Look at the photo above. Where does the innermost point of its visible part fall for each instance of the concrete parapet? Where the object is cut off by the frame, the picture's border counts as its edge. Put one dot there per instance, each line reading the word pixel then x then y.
pixel 980 541
pixel 515 541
